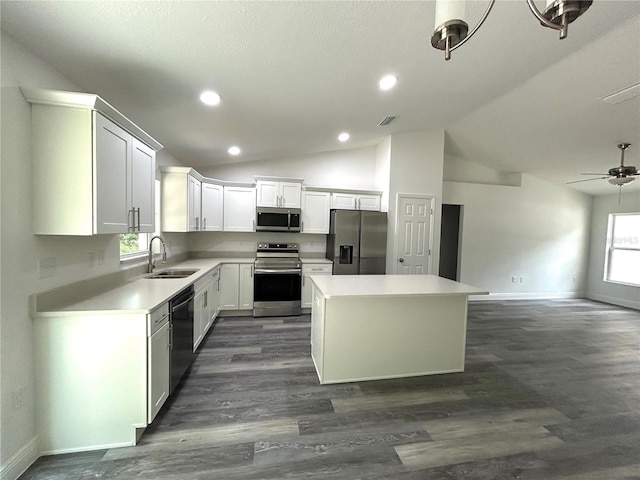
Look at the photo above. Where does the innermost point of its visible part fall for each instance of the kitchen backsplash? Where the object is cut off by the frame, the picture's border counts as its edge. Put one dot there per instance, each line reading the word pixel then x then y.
pixel 227 242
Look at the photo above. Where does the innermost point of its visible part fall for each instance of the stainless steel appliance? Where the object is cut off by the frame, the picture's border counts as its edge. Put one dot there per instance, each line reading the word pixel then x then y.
pixel 181 307
pixel 277 280
pixel 269 219
pixel 357 242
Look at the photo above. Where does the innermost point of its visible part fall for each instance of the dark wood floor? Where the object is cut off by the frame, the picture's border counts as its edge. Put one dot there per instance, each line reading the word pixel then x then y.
pixel 551 391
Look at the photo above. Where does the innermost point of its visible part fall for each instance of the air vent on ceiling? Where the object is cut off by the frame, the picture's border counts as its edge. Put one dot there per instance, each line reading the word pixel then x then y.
pixel 386 121
pixel 623 95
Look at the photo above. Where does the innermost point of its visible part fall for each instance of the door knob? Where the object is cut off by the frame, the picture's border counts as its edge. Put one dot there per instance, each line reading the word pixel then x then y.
pixel 401 260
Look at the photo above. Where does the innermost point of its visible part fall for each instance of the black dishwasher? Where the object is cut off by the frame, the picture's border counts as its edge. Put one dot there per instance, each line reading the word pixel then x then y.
pixel 181 307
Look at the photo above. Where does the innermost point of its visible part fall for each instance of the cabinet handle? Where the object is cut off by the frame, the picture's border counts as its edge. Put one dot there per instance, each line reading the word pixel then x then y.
pixel 138 223
pixel 197 223
pixel 170 336
pixel 204 223
pixel 303 277
pixel 205 302
pixel 251 271
pixel 131 225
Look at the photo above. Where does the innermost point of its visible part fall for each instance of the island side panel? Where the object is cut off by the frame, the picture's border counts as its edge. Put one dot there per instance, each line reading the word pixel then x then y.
pixel 317 330
pixel 91 381
pixel 367 338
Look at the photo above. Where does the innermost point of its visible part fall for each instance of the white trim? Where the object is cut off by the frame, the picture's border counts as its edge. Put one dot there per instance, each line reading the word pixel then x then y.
pixel 525 296
pixel 21 461
pixel 89 448
pixel 614 300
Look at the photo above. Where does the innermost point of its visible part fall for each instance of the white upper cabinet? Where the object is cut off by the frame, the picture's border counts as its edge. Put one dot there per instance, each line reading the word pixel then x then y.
pixel 315 211
pixel 356 201
pixel 278 192
pixel 181 200
pixel 194 199
pixel 93 169
pixel 239 209
pixel 212 207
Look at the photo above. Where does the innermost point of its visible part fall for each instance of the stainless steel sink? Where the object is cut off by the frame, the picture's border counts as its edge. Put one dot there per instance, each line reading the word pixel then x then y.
pixel 172 273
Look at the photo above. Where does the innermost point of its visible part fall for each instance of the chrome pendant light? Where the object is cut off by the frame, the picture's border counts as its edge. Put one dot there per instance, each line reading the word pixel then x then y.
pixel 451 31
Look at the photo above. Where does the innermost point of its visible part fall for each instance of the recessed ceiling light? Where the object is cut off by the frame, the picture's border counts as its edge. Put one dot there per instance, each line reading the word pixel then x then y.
pixel 343 137
pixel 387 82
pixel 234 150
pixel 210 98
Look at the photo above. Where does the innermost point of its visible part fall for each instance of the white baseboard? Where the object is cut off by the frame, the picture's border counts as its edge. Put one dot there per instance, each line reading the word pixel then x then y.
pixel 22 460
pixel 525 296
pixel 623 302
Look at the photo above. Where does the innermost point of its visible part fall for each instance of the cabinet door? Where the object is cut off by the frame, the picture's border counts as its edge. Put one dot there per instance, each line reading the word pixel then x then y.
pixel 212 207
pixel 199 314
pixel 267 193
pixel 229 286
pixel 143 174
pixel 195 199
pixel 316 208
pixel 112 160
pixel 290 194
pixel 245 296
pixel 239 209
pixel 158 371
pixel 368 202
pixel 215 297
pixel 344 201
pixel 307 284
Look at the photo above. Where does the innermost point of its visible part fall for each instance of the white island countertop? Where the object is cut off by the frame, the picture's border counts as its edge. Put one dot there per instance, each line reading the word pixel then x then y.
pixel 391 285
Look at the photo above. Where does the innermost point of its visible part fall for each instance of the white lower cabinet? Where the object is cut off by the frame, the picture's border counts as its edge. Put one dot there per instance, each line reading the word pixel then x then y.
pixel 159 361
pixel 214 302
pixel 229 286
pixel 245 290
pixel 200 313
pixel 107 372
pixel 236 286
pixel 309 269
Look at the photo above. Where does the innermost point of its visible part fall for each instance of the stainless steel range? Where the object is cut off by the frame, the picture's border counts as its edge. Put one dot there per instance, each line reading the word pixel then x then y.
pixel 277 280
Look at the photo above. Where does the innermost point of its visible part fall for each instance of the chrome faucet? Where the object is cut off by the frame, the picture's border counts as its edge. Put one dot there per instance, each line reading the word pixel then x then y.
pixel 151 265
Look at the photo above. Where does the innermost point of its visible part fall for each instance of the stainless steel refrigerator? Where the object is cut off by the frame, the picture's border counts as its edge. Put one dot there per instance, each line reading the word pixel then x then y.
pixel 357 242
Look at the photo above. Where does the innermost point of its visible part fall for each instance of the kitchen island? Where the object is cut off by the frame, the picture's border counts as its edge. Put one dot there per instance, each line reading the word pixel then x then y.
pixel 368 327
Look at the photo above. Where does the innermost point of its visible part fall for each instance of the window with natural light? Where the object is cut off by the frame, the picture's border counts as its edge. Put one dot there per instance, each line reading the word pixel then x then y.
pixel 133 245
pixel 622 263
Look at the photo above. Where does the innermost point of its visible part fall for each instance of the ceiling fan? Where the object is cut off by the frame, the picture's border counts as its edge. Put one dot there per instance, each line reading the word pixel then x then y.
pixel 618 175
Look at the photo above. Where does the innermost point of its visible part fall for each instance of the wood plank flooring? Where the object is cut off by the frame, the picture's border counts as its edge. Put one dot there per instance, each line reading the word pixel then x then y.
pixel 551 390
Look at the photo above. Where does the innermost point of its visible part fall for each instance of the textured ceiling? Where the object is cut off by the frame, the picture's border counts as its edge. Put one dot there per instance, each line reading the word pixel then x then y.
pixel 292 75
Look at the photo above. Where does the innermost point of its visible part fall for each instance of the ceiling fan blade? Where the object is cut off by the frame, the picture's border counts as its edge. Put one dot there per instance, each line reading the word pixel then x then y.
pixel 587 180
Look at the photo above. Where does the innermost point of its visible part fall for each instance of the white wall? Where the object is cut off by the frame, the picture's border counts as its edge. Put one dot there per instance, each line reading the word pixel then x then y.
pixel 416 168
pixel 354 168
pixel 539 231
pixel 20 251
pixel 597 288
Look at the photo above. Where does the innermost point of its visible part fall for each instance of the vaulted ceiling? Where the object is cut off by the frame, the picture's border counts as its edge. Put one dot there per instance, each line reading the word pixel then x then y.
pixel 293 75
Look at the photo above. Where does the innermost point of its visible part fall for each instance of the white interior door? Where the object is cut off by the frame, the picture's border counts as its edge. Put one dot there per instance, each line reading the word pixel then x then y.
pixel 413 237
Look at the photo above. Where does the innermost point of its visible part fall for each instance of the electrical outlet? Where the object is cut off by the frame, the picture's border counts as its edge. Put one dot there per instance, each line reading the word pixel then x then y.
pixel 521 278
pixel 92 259
pixel 46 267
pixel 101 257
pixel 514 279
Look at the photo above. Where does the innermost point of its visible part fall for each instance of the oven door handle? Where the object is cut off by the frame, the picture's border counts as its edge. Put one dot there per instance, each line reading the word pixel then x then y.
pixel 269 270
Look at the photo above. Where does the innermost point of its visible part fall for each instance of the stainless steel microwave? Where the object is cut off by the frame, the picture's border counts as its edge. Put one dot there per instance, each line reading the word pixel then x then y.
pixel 269 219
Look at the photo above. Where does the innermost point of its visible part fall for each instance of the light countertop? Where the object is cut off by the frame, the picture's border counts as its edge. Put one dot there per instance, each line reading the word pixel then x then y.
pixel 315 260
pixel 138 295
pixel 391 285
